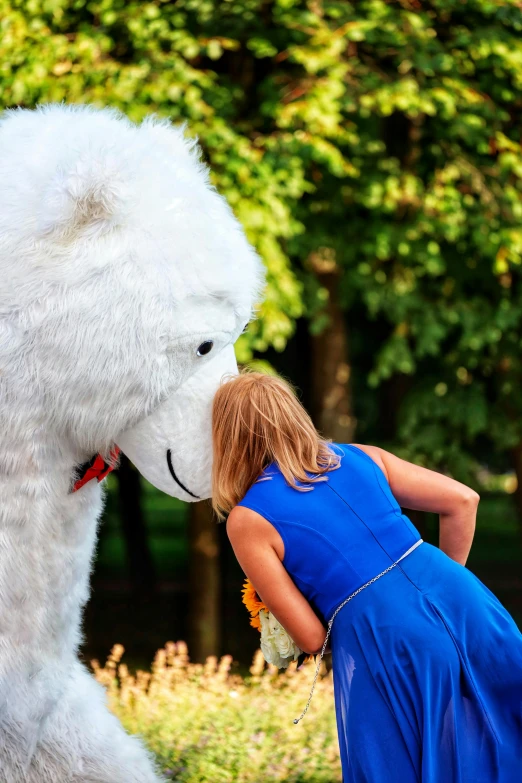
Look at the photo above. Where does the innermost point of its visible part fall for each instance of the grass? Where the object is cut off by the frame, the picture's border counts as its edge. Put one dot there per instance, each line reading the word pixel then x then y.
pixel 208 725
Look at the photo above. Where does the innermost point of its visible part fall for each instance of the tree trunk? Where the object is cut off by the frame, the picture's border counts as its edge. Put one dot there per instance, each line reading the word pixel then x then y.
pixel 141 567
pixel 205 582
pixel 331 393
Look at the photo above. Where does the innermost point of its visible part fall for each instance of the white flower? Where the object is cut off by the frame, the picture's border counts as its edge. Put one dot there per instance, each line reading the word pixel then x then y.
pixel 277 646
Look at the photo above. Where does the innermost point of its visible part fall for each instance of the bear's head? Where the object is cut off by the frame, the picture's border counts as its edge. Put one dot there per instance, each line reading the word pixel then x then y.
pixel 125 281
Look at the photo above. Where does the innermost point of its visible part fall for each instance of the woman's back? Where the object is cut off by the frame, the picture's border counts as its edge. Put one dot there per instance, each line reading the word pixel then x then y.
pixel 427 663
pixel 338 535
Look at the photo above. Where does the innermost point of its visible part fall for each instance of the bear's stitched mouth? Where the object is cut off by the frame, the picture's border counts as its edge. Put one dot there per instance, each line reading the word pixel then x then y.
pixel 176 479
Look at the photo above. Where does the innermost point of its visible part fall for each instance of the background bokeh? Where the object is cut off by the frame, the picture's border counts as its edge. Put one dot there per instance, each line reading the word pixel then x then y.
pixel 372 152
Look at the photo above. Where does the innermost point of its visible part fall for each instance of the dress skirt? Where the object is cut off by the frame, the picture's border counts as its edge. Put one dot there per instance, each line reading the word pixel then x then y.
pixel 427 671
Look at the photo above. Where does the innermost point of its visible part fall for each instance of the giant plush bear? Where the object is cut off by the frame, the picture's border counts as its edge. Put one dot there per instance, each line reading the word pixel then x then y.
pixel 124 282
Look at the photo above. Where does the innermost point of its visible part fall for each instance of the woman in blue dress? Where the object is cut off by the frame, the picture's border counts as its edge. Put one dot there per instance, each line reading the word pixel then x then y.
pixel 427 664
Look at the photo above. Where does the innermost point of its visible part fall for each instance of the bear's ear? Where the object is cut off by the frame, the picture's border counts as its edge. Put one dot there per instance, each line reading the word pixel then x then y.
pixel 174 141
pixel 173 138
pixel 88 198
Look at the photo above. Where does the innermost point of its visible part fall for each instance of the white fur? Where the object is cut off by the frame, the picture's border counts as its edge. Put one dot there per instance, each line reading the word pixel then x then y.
pixel 181 421
pixel 117 259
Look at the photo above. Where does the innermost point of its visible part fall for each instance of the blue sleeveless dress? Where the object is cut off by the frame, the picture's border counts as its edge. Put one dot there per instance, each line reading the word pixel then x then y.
pixel 427 664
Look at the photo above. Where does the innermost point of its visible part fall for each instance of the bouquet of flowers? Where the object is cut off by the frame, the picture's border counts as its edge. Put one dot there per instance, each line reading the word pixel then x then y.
pixel 276 645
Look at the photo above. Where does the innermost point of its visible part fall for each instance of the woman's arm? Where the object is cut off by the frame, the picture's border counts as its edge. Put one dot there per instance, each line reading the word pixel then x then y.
pixel 425 490
pixel 259 549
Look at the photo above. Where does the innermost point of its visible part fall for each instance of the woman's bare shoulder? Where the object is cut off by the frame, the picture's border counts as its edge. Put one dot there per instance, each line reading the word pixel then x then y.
pixel 243 520
pixel 247 528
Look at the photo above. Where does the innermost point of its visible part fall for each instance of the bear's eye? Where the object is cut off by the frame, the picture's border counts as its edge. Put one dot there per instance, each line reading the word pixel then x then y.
pixel 205 348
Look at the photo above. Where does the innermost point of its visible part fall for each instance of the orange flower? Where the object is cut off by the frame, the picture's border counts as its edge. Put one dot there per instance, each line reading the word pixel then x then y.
pixel 253 603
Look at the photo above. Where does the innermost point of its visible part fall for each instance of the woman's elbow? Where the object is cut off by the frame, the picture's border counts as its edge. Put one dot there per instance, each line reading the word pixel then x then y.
pixel 314 643
pixel 470 498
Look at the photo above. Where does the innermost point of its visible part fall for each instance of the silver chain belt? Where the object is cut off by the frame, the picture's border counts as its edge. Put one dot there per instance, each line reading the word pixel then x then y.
pixel 330 623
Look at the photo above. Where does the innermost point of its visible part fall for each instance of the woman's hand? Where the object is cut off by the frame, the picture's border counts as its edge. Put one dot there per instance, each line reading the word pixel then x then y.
pixel 425 490
pixel 259 549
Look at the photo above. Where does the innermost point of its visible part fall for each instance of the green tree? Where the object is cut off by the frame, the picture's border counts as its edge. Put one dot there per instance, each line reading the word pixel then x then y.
pixel 371 150
pixel 383 135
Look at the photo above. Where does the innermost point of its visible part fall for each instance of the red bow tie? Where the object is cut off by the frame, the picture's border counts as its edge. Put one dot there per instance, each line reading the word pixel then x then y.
pixel 95 468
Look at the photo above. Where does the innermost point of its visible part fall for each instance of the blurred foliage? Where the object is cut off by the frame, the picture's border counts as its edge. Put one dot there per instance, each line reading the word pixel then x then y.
pixel 245 734
pixel 166 528
pixel 384 133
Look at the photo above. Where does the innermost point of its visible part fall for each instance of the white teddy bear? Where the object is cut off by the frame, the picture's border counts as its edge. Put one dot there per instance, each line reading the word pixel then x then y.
pixel 124 282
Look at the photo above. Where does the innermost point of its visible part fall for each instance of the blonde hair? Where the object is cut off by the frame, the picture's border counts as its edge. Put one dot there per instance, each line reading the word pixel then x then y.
pixel 256 420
